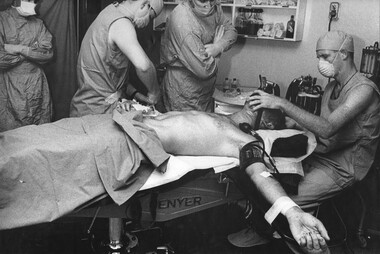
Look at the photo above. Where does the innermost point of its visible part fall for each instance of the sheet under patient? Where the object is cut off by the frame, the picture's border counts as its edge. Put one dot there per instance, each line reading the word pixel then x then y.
pixel 47 171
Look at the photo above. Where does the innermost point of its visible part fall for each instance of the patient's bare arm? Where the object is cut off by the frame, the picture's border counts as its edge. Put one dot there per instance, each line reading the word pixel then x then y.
pixel 307 230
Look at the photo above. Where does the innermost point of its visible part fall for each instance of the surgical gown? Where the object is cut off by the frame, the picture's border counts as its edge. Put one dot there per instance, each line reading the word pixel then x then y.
pixel 102 68
pixel 24 91
pixel 189 81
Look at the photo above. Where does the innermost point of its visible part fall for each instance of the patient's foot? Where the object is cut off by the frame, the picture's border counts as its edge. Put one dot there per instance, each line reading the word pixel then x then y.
pixel 247 238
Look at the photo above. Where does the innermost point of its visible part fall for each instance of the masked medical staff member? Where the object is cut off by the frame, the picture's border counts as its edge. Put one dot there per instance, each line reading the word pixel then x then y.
pixel 197 32
pixel 108 47
pixel 347 130
pixel 25 44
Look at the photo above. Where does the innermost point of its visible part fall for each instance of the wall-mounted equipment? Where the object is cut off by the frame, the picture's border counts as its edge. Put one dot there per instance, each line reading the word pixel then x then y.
pixel 334 10
pixel 370 63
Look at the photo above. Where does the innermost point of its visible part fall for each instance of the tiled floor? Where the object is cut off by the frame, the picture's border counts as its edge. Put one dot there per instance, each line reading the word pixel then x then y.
pixel 203 233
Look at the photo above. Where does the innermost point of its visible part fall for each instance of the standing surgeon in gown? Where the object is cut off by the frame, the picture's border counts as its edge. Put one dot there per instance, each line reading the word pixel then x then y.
pixel 197 32
pixel 25 44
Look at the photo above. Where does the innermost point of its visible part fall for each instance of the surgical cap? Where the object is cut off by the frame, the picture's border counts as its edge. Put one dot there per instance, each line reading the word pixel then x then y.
pixel 157 6
pixel 336 40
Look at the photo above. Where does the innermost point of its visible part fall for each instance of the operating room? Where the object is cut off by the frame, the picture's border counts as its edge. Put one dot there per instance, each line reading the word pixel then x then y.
pixel 189 126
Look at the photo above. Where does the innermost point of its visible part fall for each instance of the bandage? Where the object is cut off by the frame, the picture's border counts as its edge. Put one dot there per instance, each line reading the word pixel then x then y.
pixel 250 154
pixel 265 174
pixel 282 205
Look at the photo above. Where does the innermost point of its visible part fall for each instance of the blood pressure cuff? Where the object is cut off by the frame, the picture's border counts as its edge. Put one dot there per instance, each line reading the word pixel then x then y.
pixel 250 154
pixel 294 146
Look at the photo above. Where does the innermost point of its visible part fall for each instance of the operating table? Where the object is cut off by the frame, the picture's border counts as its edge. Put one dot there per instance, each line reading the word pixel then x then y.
pixel 190 185
pixel 95 166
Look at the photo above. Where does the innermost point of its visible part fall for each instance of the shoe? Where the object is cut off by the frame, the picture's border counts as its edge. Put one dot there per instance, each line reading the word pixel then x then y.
pixel 246 238
pixel 276 235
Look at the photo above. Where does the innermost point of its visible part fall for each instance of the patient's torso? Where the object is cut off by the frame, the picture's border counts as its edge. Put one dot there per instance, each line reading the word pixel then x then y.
pixel 195 133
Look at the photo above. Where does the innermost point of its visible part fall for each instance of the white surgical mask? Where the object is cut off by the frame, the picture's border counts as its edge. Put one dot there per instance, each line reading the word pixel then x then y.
pixel 326 68
pixel 26 9
pixel 203 9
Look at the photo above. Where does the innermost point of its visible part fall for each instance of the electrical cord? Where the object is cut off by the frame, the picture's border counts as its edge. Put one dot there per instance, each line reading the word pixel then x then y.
pixel 332 15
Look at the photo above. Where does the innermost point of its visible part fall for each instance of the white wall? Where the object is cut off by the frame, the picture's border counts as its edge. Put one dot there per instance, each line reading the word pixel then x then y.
pixel 282 61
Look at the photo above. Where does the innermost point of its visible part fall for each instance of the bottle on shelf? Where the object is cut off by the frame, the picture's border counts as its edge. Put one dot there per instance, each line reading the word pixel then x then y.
pixel 241 21
pixel 226 85
pixel 290 28
pixel 234 84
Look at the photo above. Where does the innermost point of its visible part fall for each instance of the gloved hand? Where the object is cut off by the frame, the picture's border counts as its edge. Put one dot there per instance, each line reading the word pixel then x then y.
pixel 147 100
pixel 215 48
pixel 141 98
pixel 14 49
pixel 153 98
pixel 218 33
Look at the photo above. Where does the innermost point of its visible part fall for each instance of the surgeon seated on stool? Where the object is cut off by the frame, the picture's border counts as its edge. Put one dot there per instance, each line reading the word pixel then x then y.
pixel 347 132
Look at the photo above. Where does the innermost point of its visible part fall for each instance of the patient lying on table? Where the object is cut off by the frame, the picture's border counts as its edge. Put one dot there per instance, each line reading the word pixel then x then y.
pixel 201 133
pixel 51 169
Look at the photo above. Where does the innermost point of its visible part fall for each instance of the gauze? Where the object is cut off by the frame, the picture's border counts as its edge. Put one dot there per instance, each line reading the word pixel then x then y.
pixel 26 9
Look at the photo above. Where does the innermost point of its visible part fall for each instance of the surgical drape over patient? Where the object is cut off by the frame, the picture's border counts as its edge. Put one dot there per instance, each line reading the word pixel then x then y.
pixel 49 170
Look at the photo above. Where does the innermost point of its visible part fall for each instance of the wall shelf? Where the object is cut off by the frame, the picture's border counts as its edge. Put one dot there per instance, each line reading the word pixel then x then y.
pixel 275 14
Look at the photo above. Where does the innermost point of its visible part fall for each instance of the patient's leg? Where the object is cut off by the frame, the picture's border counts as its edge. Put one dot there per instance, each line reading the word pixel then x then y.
pixel 198 133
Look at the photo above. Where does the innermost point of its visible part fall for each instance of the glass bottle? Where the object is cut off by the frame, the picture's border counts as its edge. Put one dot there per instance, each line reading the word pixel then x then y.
pixel 290 27
pixel 226 85
pixel 234 84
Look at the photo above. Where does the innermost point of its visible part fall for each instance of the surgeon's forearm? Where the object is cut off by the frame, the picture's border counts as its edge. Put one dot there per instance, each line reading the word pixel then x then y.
pixel 40 56
pixel 316 124
pixel 227 41
pixel 8 61
pixel 149 79
pixel 230 34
